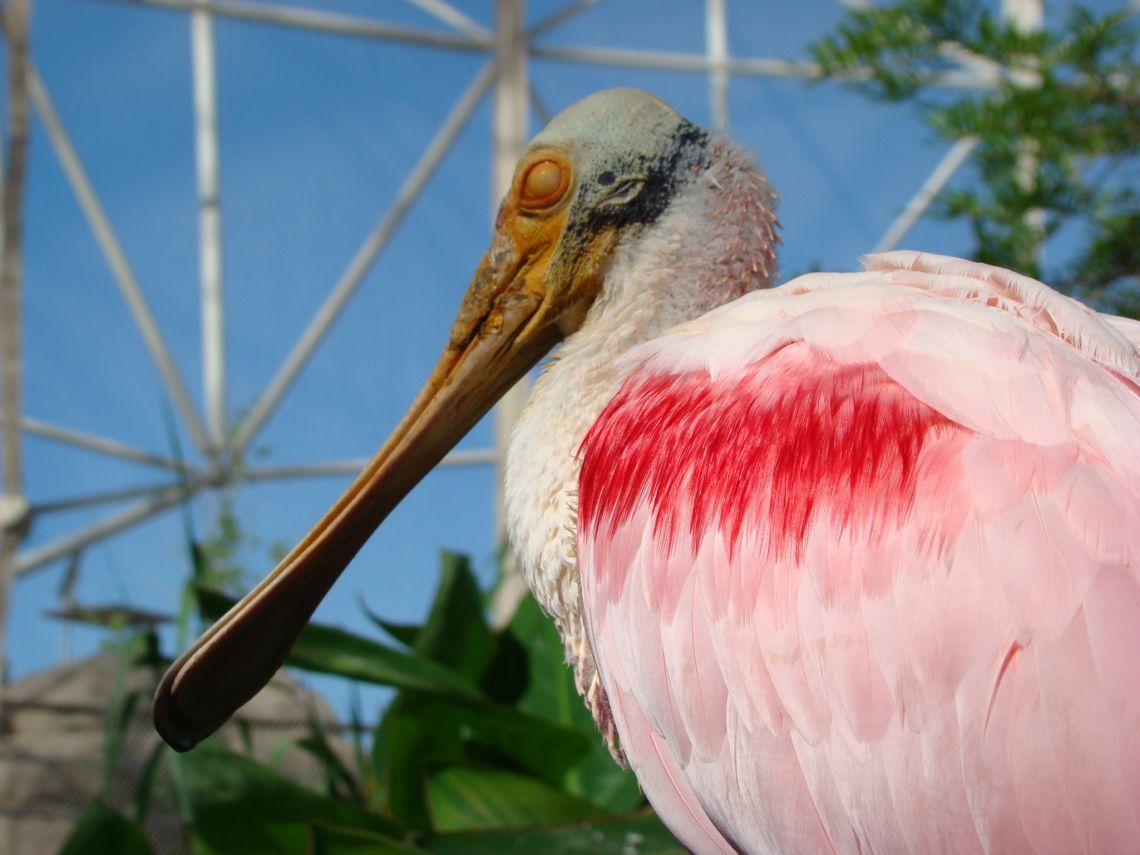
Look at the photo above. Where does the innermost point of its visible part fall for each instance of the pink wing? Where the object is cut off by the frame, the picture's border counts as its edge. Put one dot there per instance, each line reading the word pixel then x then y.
pixel 860 563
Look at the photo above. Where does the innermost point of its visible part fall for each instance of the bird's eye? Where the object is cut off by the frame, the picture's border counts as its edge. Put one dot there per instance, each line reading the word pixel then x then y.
pixel 623 191
pixel 544 184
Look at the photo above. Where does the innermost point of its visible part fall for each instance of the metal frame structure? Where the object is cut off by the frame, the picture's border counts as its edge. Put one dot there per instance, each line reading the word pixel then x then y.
pixel 508 49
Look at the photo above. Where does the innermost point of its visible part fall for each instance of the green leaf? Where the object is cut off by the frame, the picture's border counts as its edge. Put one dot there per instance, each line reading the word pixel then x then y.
pixel 408 739
pixel 508 674
pixel 330 650
pixel 550 688
pixel 467 799
pixel 339 780
pixel 146 783
pixel 240 806
pixel 325 840
pixel 102 829
pixel 405 633
pixel 551 695
pixel 456 632
pixel 420 734
pixel 637 834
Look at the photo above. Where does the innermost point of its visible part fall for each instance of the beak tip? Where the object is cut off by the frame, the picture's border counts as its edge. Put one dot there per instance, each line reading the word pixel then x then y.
pixel 176 729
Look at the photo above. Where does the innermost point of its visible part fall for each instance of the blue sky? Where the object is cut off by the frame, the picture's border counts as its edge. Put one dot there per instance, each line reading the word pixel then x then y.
pixel 317 134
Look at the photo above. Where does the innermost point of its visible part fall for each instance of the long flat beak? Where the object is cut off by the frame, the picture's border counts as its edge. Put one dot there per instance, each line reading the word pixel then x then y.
pixel 503 328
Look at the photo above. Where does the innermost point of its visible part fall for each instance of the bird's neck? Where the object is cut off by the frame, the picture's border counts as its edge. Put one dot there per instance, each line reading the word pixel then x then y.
pixel 715 242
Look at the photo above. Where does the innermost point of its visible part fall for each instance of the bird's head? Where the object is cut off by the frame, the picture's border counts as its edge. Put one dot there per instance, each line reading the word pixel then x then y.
pixel 601 171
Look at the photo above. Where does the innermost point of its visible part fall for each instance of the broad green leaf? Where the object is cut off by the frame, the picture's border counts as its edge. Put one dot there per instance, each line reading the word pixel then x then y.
pixel 469 799
pixel 326 840
pixel 420 734
pixel 551 694
pixel 408 740
pixel 550 688
pixel 146 783
pixel 102 829
pixel 338 779
pixel 544 748
pixel 405 633
pixel 456 633
pixel 507 675
pixel 329 650
pixel 641 833
pixel 241 806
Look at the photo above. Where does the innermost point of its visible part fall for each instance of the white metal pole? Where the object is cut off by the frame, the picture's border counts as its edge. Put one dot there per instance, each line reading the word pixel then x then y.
pixel 743 66
pixel 716 44
pixel 457 20
pixel 33 559
pixel 958 154
pixel 353 466
pixel 331 23
pixel 98 444
pixel 1028 16
pixel 210 226
pixel 510 134
pixel 14 515
pixel 557 19
pixel 116 258
pixel 105 497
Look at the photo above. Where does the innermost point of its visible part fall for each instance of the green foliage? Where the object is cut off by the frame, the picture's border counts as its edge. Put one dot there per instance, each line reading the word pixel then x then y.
pixel 242 806
pixel 103 829
pixel 222 547
pixel 639 833
pixel 1056 131
pixel 464 798
pixel 485 748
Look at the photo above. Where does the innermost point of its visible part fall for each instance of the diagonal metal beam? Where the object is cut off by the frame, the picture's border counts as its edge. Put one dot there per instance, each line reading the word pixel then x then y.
pixel 558 18
pixel 446 13
pixel 931 187
pixel 117 260
pixel 101 445
pixel 103 497
pixel 365 256
pixel 34 559
pixel 323 22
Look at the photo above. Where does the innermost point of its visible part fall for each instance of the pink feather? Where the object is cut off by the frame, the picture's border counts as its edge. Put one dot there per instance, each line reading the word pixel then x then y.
pixel 860 563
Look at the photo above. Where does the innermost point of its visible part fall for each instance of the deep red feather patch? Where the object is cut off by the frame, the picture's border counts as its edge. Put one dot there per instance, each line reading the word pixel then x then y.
pixel 774 445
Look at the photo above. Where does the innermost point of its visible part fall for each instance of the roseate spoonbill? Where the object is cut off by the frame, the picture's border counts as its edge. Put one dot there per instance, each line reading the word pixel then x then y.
pixel 850 564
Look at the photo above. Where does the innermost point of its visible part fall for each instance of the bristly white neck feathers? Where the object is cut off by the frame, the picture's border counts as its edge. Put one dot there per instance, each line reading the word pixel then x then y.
pixel 715 242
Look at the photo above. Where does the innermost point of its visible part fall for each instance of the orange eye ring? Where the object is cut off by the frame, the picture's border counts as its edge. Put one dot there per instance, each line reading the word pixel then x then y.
pixel 544 184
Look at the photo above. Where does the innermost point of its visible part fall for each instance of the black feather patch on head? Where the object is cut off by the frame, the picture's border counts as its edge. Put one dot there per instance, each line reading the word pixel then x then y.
pixel 660 176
